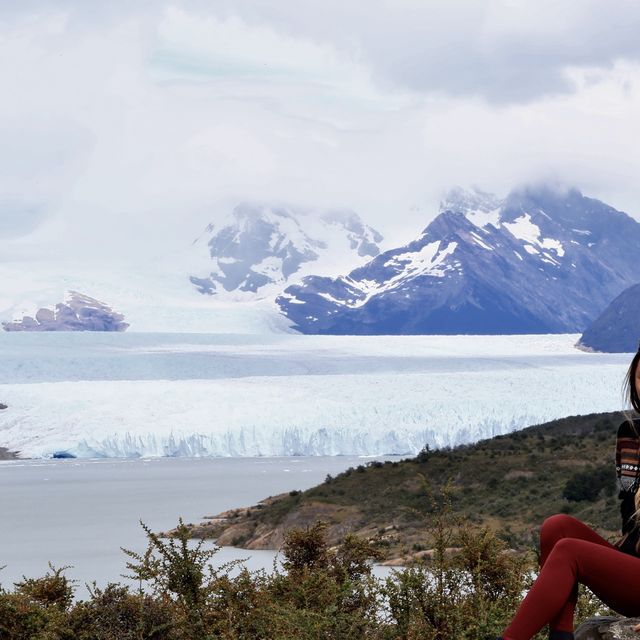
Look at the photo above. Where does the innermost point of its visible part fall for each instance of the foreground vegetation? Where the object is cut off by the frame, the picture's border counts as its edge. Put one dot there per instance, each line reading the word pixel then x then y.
pixel 508 483
pixel 468 589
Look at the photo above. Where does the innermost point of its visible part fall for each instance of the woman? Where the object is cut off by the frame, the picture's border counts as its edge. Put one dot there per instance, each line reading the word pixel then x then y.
pixel 572 553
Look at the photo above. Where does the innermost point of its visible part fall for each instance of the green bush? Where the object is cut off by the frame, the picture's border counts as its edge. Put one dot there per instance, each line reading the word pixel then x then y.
pixel 588 484
pixel 117 614
pixel 467 587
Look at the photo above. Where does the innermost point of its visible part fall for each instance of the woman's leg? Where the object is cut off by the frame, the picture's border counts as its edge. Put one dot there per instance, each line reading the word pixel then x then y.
pixel 613 576
pixel 556 528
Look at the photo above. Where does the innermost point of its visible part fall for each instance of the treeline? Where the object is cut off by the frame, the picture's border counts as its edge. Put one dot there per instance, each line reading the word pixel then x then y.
pixel 467 586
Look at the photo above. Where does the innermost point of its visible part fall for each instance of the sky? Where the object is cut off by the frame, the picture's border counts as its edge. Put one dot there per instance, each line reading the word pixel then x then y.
pixel 125 128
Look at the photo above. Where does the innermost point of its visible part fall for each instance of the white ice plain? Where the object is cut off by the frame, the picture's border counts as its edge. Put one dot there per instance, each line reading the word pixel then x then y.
pixel 145 395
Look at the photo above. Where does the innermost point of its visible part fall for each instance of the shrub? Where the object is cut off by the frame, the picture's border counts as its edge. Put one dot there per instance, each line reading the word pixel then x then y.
pixel 53 589
pixel 116 614
pixel 586 485
pixel 176 571
pixel 468 588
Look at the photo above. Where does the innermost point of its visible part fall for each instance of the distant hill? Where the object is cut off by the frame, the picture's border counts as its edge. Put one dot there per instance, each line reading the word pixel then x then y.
pixel 541 260
pixel 78 312
pixel 617 328
pixel 510 483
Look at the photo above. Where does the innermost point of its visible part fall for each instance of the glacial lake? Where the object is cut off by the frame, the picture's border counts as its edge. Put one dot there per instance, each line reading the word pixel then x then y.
pixel 80 512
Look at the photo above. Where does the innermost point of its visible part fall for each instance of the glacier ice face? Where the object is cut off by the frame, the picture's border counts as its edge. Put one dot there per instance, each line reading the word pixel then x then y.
pixel 287 395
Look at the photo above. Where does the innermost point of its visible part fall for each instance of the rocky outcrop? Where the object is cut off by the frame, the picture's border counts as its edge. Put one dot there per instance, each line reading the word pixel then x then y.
pixel 607 628
pixel 78 312
pixel 241 527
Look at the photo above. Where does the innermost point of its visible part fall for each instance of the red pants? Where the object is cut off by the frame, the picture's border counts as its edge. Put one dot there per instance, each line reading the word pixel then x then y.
pixel 571 552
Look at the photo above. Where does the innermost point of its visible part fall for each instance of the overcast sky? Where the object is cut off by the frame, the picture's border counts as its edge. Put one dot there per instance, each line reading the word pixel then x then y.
pixel 134 124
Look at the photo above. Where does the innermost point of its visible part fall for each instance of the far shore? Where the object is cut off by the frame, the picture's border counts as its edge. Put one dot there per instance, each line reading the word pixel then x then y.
pixel 5 454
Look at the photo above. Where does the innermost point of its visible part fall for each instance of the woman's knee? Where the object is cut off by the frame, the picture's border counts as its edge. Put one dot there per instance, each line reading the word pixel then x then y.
pixel 556 525
pixel 567 551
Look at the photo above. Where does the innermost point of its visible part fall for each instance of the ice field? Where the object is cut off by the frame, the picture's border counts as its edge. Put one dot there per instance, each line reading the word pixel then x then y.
pixel 143 394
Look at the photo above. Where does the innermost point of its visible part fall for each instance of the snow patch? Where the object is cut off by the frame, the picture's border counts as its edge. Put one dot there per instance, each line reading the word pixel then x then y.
pixel 480 242
pixel 523 228
pixel 484 218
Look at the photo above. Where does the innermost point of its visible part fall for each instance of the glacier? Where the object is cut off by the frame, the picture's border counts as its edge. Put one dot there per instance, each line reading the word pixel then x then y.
pixel 148 395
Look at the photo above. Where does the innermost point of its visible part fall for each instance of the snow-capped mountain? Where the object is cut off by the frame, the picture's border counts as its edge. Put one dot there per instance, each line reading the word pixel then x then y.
pixel 249 258
pixel 541 260
pixel 261 248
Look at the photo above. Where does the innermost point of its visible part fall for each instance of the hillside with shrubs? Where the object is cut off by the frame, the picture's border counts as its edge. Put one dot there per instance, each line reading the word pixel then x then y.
pixel 508 483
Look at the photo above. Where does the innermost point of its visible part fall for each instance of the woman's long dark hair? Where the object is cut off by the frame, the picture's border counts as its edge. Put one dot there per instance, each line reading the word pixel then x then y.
pixel 632 399
pixel 630 392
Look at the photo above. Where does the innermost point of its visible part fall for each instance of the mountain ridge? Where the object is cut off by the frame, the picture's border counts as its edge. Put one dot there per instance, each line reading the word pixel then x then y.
pixel 523 266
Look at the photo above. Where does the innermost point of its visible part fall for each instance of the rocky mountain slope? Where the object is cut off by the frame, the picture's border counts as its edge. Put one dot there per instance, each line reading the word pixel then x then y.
pixel 617 328
pixel 539 261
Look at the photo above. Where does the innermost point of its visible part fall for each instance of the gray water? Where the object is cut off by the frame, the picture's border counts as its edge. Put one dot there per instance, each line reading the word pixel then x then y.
pixel 80 512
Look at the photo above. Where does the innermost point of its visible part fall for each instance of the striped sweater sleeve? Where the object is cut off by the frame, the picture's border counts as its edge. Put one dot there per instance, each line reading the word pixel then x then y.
pixel 627 471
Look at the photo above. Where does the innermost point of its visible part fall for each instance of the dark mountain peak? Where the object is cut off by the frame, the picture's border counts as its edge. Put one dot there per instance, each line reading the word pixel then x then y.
pixel 565 206
pixel 617 328
pixel 542 201
pixel 446 224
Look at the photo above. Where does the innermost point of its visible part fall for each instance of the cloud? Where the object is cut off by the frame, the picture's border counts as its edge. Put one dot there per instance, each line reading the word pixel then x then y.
pixel 127 132
pixel 19 218
pixel 499 50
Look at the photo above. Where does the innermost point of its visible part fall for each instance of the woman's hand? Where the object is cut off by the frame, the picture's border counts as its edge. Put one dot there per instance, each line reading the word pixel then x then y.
pixel 636 628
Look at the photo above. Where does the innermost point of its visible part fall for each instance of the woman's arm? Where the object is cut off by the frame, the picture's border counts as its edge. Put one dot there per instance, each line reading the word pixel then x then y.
pixel 627 472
